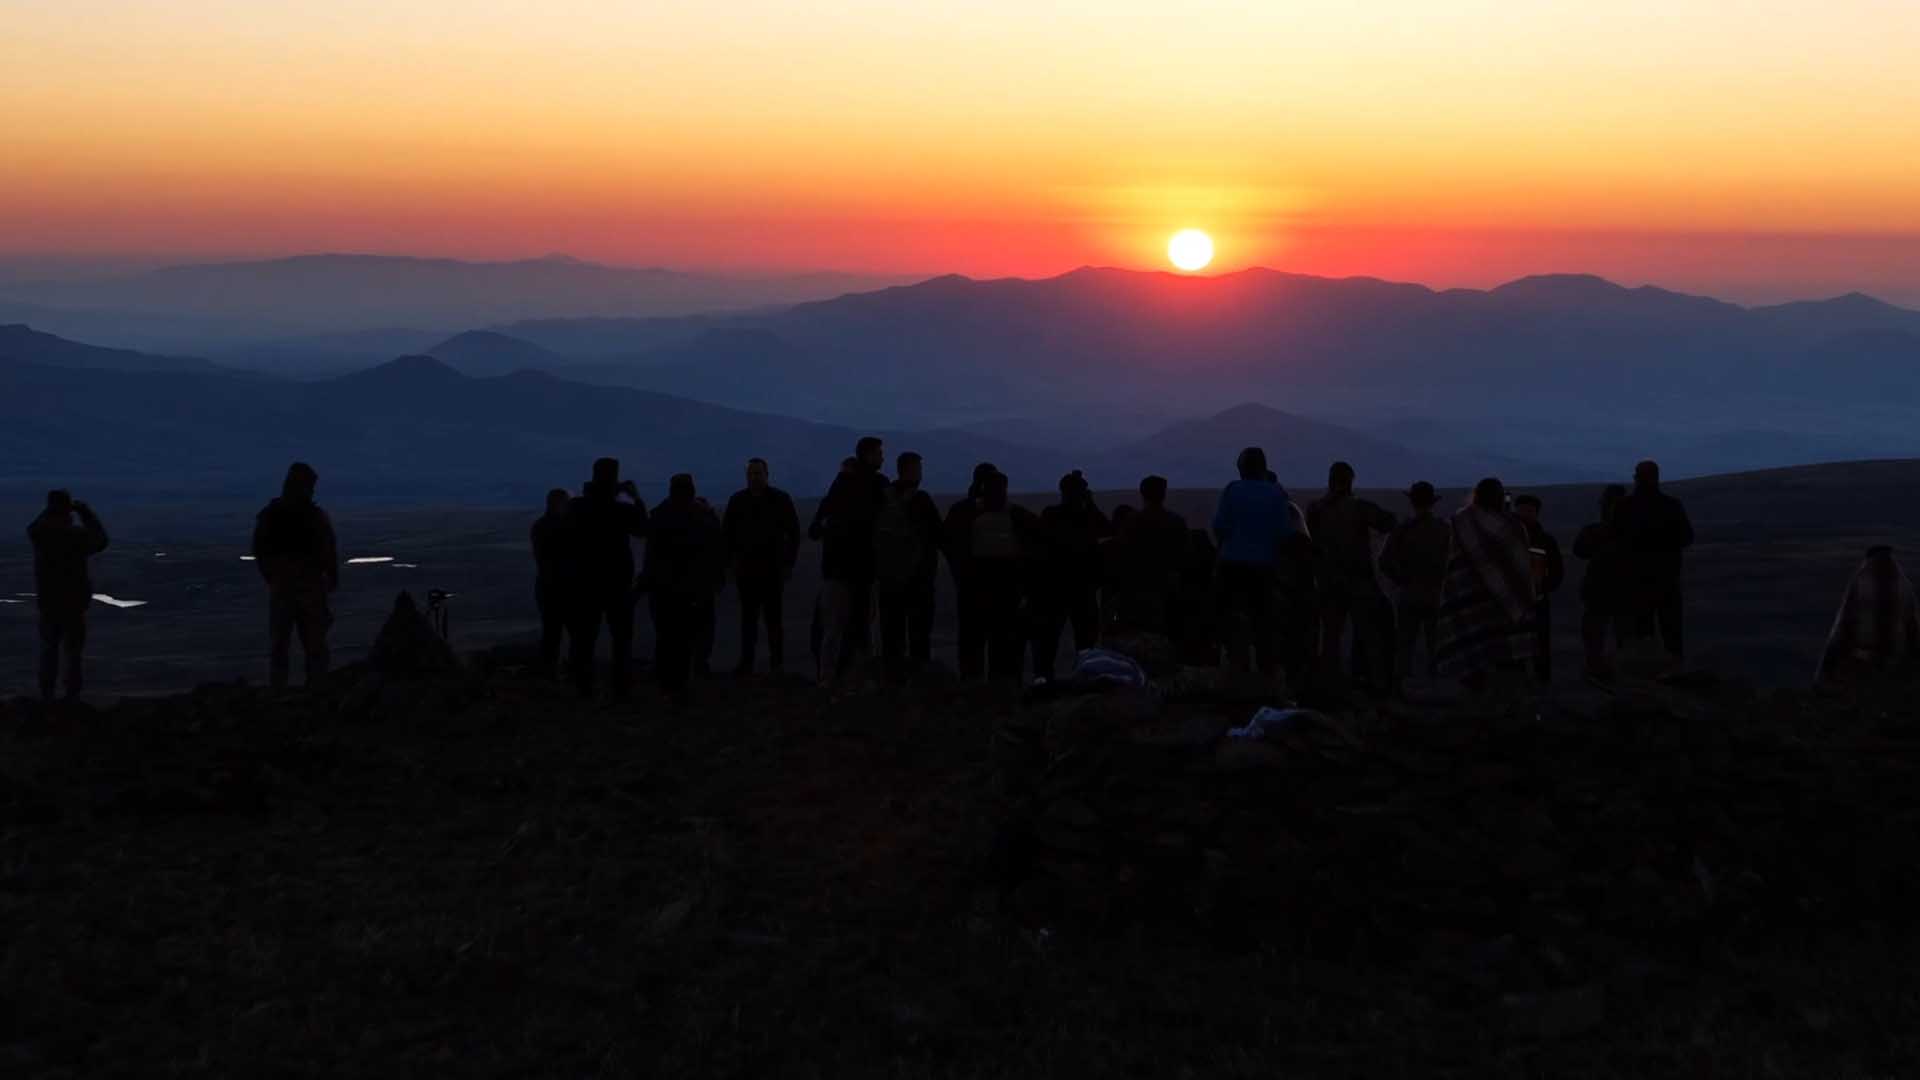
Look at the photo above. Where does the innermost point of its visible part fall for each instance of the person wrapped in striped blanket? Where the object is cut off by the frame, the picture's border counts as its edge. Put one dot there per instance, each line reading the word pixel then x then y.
pixel 1487 601
pixel 1878 625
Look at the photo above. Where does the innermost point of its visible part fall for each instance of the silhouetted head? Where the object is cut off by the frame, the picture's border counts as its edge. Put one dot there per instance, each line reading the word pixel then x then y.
pixel 557 501
pixel 59 501
pixel 1646 476
pixel 871 453
pixel 1153 490
pixel 980 474
pixel 1422 496
pixel 757 474
pixel 1490 494
pixel 680 488
pixel 1610 497
pixel 1340 477
pixel 1252 463
pixel 993 490
pixel 300 481
pixel 1073 486
pixel 1527 506
pixel 908 469
pixel 606 473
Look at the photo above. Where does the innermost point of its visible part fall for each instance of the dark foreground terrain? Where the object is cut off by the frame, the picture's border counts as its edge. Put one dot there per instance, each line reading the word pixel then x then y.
pixel 470 872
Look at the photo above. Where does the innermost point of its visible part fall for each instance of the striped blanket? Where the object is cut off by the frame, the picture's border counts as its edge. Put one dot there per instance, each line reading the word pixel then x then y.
pixel 1878 623
pixel 1486 603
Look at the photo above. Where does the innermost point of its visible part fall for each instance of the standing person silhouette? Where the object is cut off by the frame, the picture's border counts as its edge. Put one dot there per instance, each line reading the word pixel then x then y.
pixel 296 553
pixel 1654 530
pixel 1067 590
pixel 62 586
pixel 603 531
pixel 682 538
pixel 1415 560
pixel 1603 585
pixel 1549 571
pixel 1343 525
pixel 553 588
pixel 906 547
pixel 956 543
pixel 845 520
pixel 1252 519
pixel 763 542
pixel 1486 603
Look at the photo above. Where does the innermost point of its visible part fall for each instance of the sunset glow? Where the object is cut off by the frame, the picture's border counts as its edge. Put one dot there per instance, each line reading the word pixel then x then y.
pixel 1455 143
pixel 1190 250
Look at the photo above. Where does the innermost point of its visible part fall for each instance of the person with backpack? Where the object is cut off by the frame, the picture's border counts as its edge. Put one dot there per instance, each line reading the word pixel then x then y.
pixel 297 555
pixel 906 550
pixel 763 542
pixel 62 587
pixel 604 528
pixel 1067 588
pixel 989 546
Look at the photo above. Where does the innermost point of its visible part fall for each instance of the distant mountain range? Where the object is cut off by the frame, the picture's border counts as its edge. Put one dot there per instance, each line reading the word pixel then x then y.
pixel 418 428
pixel 232 306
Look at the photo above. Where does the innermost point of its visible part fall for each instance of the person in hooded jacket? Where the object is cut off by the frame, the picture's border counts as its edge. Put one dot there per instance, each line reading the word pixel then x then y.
pixel 1067 588
pixel 296 553
pixel 62 586
pixel 603 530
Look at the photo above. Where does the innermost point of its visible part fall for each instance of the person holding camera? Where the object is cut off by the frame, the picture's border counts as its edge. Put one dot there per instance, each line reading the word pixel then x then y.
pixel 603 530
pixel 61 547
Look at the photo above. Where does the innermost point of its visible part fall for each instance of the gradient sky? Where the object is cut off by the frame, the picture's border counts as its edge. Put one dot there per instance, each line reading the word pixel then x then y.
pixel 1755 149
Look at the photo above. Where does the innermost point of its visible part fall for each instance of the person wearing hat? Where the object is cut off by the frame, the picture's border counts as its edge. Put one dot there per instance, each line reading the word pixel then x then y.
pixel 296 553
pixel 1548 572
pixel 1067 589
pixel 1415 560
pixel 62 586
pixel 604 528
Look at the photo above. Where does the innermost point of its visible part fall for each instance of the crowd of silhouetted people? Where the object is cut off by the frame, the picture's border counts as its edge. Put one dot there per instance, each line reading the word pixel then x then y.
pixel 1345 594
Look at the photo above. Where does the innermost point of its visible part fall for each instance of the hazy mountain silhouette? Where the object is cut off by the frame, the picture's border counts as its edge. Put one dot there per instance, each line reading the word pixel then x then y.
pixel 415 428
pixel 1556 348
pixel 485 352
pixel 1298 449
pixel 329 354
pixel 25 344
pixel 307 294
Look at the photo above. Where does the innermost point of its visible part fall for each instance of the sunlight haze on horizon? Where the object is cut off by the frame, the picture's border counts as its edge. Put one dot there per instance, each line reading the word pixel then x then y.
pixel 1755 150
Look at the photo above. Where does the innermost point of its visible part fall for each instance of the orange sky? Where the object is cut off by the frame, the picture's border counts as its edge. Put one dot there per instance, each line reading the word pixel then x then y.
pixel 1461 142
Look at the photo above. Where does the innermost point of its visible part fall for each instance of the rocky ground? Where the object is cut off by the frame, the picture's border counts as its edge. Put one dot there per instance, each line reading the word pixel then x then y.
pixel 468 871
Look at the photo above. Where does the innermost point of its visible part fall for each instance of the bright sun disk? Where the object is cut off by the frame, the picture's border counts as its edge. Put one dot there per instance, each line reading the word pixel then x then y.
pixel 1190 249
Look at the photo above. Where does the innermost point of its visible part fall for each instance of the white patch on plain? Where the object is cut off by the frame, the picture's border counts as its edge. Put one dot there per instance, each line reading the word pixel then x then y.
pixel 368 560
pixel 114 601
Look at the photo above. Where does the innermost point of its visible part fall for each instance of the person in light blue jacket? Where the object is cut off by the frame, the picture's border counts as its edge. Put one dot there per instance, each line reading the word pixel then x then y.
pixel 1253 518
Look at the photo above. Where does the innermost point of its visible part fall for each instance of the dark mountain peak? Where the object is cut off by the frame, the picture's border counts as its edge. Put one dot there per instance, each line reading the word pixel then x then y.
pixel 1572 287
pixel 409 370
pixel 19 341
pixel 1253 413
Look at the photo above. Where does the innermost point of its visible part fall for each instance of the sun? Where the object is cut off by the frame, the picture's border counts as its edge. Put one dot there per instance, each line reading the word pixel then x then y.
pixel 1190 250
